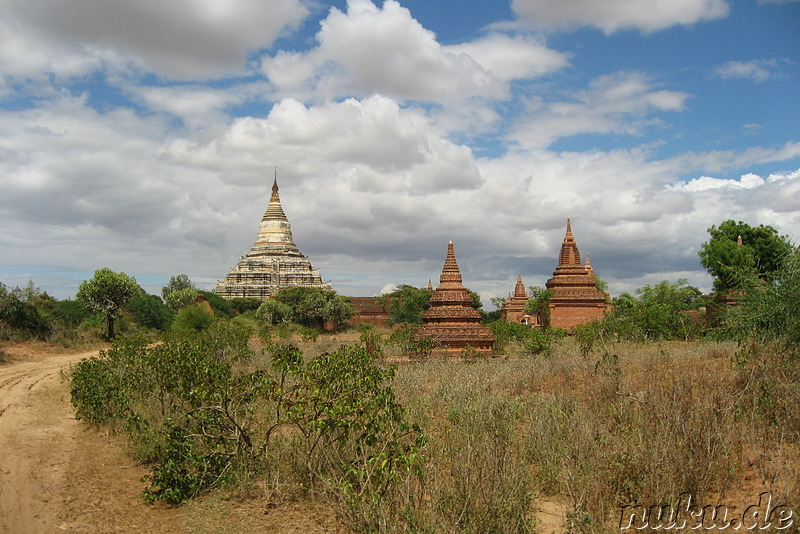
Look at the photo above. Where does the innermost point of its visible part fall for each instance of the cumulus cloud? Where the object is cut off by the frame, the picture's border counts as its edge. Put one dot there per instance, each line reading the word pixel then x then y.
pixel 372 145
pixel 618 103
pixel 614 15
pixel 757 70
pixel 370 50
pixel 184 39
pixel 512 57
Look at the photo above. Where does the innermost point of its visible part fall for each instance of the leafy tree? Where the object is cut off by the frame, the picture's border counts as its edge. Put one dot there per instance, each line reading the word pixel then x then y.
pixel 677 297
pixel 274 312
pixel 406 304
pixel 771 311
pixel 539 304
pixel 72 312
pixel 179 292
pixel 314 307
pixel 151 312
pixel 657 312
pixel 761 255
pixel 22 316
pixel 107 293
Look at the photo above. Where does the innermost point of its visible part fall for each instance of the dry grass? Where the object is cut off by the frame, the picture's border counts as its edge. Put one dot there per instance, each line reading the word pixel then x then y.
pixel 633 424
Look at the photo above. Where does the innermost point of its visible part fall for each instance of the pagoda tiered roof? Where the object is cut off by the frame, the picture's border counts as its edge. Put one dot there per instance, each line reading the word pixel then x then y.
pixel 576 299
pixel 451 320
pixel 273 262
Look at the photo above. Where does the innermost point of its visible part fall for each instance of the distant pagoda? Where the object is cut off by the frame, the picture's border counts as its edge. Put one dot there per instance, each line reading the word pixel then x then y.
pixel 513 309
pixel 274 261
pixel 451 320
pixel 576 299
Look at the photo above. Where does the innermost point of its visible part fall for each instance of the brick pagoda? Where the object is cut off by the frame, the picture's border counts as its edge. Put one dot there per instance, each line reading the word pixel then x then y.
pixel 576 299
pixel 513 309
pixel 451 320
pixel 273 263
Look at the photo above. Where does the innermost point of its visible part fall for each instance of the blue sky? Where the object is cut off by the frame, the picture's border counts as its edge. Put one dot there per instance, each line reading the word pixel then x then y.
pixel 143 136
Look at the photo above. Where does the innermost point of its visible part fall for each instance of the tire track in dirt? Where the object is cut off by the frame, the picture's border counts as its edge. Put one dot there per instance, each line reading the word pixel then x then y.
pixel 37 436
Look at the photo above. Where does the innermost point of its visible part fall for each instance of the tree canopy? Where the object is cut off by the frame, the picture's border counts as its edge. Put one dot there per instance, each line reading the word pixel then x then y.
pixel 406 304
pixel 107 293
pixel 179 292
pixel 314 307
pixel 761 254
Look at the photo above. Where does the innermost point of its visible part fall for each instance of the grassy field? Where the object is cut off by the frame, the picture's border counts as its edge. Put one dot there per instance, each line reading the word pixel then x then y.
pixel 579 436
pixel 557 442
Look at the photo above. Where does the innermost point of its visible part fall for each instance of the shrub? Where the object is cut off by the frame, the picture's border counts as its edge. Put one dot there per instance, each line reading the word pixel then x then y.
pixel 245 304
pixel 193 317
pixel 274 312
pixel 98 392
pixel 151 312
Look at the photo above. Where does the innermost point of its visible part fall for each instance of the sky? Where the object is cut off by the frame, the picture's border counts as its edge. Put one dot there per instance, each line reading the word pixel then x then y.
pixel 144 136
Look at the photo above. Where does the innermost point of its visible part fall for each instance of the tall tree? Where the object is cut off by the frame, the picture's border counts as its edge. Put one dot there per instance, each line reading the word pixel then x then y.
pixel 179 292
pixel 107 293
pixel 761 254
pixel 406 304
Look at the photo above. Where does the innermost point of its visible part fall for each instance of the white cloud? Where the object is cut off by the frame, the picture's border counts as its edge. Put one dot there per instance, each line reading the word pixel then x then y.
pixel 372 191
pixel 757 70
pixel 371 50
pixel 512 58
pixel 721 160
pixel 179 39
pixel 373 145
pixel 618 103
pixel 705 183
pixel 615 15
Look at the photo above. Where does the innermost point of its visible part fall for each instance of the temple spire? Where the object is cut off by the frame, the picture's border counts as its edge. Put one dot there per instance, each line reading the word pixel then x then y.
pixel 570 255
pixel 519 289
pixel 274 210
pixel 451 320
pixel 273 262
pixel 451 274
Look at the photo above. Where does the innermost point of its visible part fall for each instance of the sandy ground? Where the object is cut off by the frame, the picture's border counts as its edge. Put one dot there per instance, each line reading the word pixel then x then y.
pixel 57 475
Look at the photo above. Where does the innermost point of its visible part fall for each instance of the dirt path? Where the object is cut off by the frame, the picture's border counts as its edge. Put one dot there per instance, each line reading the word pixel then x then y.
pixel 56 475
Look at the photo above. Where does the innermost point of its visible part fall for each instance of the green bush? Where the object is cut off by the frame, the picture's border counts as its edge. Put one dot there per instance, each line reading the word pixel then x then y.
pixel 98 392
pixel 220 306
pixel 193 317
pixel 274 312
pixel 242 305
pixel 151 312
pixel 202 418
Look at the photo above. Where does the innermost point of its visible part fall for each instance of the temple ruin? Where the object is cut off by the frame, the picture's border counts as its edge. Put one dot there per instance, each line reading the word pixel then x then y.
pixel 513 309
pixel 273 263
pixel 576 299
pixel 451 320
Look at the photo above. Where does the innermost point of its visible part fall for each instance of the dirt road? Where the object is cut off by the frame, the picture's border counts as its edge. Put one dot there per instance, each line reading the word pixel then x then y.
pixel 58 475
pixel 55 474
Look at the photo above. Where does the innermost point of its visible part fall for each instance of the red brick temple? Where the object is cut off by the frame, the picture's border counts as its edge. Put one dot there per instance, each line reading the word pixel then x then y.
pixel 451 320
pixel 576 299
pixel 513 309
